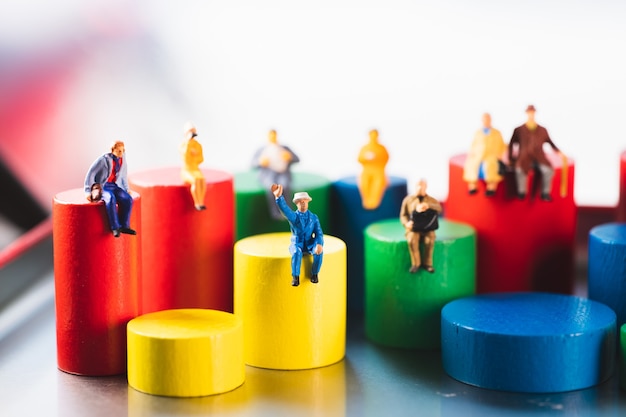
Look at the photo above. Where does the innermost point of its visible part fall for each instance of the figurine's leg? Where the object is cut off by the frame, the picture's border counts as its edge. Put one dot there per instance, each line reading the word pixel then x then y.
pixel 296 261
pixel 547 173
pixel 413 241
pixel 429 249
pixel 198 190
pixel 317 265
pixel 124 207
pixel 522 182
pixel 110 204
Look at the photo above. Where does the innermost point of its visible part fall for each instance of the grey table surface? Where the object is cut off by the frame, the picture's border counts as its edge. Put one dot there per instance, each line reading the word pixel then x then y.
pixel 370 381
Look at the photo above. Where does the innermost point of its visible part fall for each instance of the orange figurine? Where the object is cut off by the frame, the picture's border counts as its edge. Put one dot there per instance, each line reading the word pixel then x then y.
pixel 191 151
pixel 373 181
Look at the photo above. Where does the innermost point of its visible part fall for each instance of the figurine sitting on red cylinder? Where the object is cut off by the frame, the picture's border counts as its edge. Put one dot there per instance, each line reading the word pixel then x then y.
pixel 306 233
pixel 191 152
pixel 526 153
pixel 110 172
pixel 419 215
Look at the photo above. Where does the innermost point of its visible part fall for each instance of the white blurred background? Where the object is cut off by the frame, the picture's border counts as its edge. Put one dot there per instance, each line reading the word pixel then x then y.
pixel 76 75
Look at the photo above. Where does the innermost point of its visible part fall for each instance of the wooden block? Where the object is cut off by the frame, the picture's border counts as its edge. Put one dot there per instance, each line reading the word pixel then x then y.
pixel 403 309
pixel 290 327
pixel 622 357
pixel 185 352
pixel 97 284
pixel 523 245
pixel 528 342
pixel 607 267
pixel 349 220
pixel 187 254
pixel 252 212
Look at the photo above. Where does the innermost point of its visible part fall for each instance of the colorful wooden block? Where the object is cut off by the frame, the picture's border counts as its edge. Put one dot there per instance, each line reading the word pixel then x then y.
pixel 402 309
pixel 621 204
pixel 523 245
pixel 290 327
pixel 185 352
pixel 528 342
pixel 349 220
pixel 97 284
pixel 187 254
pixel 622 357
pixel 252 212
pixel 607 267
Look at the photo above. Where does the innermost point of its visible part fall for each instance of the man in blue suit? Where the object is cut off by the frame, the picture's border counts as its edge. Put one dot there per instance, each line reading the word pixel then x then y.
pixel 306 233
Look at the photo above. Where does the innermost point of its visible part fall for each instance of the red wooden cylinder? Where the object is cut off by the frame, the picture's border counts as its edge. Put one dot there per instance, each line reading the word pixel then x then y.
pixel 621 205
pixel 187 254
pixel 97 284
pixel 522 245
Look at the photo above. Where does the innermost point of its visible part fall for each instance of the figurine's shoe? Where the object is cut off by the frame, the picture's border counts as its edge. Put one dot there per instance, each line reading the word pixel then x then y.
pixel 314 279
pixel 200 208
pixel 295 281
pixel 521 196
pixel 490 193
pixel 428 268
pixel 116 232
pixel 127 230
pixel 546 197
pixel 413 269
pixel 472 191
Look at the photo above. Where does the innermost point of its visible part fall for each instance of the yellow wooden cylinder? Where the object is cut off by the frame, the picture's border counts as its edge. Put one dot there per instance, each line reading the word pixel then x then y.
pixel 289 327
pixel 185 353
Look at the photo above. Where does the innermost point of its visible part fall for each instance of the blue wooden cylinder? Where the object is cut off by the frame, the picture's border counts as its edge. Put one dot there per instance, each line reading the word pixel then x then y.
pixel 348 221
pixel 607 267
pixel 528 342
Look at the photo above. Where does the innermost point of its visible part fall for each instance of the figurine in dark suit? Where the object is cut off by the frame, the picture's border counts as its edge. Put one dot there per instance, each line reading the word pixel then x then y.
pixel 306 233
pixel 526 153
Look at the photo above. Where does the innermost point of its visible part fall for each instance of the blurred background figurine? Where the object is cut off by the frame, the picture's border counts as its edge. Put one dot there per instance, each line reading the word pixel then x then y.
pixel 107 179
pixel 419 216
pixel 526 153
pixel 373 181
pixel 274 164
pixel 484 159
pixel 191 152
pixel 306 233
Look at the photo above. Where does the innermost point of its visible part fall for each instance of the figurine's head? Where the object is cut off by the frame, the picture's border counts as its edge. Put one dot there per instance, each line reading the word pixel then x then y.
pixel 420 188
pixel 302 201
pixel 530 112
pixel 373 135
pixel 118 148
pixel 271 136
pixel 487 120
pixel 190 131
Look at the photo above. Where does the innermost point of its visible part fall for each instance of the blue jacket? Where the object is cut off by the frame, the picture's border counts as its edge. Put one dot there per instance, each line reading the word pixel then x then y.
pixel 100 170
pixel 306 231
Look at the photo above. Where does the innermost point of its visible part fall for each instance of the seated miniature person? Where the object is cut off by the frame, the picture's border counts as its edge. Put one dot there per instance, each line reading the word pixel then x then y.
pixel 526 153
pixel 108 173
pixel 191 152
pixel 274 164
pixel 484 159
pixel 306 233
pixel 373 181
pixel 419 216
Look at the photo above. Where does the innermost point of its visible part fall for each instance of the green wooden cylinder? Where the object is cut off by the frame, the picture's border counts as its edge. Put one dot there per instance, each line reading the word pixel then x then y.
pixel 403 309
pixel 622 357
pixel 251 203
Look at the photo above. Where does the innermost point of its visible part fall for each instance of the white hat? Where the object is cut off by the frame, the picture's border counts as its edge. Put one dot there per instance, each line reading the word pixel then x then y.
pixel 301 196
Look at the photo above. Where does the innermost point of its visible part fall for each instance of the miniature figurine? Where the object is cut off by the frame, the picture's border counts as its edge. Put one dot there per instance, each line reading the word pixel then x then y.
pixel 373 182
pixel 484 160
pixel 191 151
pixel 306 233
pixel 274 163
pixel 526 153
pixel 107 180
pixel 419 216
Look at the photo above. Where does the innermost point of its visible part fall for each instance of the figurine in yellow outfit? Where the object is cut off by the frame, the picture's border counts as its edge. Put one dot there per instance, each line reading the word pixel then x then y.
pixel 373 181
pixel 191 151
pixel 484 158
